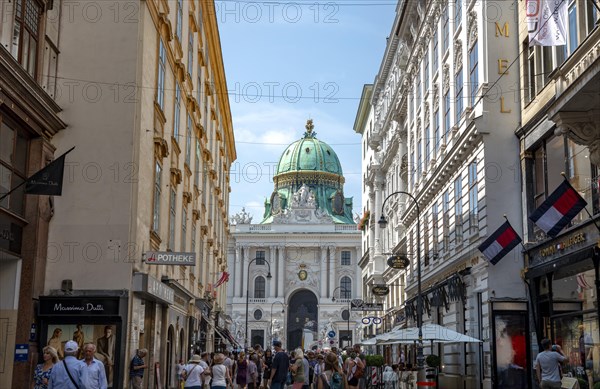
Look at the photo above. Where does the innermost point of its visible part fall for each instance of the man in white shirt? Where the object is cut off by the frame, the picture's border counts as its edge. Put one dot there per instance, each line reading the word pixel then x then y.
pixel 93 373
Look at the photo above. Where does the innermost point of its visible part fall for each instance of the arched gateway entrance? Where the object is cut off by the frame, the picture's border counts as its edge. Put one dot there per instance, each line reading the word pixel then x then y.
pixel 302 319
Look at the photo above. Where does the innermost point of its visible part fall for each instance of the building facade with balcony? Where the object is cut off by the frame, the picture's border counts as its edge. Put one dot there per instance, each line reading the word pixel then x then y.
pixel 444 118
pixel 308 242
pixel 29 123
pixel 144 101
pixel 560 134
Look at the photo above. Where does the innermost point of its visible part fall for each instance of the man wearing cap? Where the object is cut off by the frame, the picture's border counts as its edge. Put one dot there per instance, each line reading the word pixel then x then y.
pixel 67 373
pixel 93 375
pixel 280 367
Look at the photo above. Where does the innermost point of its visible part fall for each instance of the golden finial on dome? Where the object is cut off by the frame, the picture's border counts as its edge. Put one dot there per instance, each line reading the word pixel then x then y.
pixel 309 129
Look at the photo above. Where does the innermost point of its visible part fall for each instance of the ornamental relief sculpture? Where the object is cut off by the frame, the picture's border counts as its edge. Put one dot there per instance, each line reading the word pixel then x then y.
pixel 472 29
pixel 435 96
pixel 303 277
pixel 457 55
pixel 303 209
pixel 446 78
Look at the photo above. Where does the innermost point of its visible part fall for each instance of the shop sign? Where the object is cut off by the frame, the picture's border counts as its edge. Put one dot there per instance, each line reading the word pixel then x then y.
pixel 564 244
pixel 359 305
pixel 380 290
pixel 170 258
pixel 398 262
pixel 145 283
pixel 88 306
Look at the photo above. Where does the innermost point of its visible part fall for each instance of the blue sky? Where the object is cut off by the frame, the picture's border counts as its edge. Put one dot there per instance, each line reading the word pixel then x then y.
pixel 289 61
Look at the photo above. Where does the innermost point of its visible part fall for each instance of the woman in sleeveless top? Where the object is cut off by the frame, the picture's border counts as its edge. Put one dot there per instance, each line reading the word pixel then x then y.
pixel 220 374
pixel 298 370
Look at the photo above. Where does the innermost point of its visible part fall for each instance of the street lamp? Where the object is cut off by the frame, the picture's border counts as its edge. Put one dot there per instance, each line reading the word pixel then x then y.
pixel 349 334
pixel 382 224
pixel 248 293
pixel 282 311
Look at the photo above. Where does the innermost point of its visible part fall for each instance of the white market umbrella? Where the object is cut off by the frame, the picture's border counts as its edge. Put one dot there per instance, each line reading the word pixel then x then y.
pixel 431 333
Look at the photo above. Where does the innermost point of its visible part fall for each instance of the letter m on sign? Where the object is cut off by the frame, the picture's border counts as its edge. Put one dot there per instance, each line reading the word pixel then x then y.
pixel 502 30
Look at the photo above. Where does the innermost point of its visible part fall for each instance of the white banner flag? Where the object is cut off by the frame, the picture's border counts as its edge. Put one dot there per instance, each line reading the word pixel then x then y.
pixel 547 22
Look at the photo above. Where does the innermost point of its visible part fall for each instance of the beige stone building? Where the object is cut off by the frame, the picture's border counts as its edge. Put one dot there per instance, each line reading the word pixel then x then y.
pixel 143 92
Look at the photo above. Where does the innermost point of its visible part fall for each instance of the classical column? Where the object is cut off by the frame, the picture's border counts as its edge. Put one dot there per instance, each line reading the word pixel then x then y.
pixel 245 270
pixel 323 268
pixel 332 267
pixel 281 272
pixel 379 183
pixel 358 288
pixel 237 277
pixel 272 282
pixel 374 215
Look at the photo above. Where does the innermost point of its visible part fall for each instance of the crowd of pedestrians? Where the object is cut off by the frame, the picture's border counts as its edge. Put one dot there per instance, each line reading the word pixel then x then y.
pixel 274 369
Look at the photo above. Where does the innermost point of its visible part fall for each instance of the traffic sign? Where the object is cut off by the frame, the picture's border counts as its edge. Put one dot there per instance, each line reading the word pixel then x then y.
pixel 331 334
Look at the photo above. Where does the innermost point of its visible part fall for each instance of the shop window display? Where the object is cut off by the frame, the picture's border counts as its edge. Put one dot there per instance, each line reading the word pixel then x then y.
pixel 577 332
pixel 512 369
pixel 103 336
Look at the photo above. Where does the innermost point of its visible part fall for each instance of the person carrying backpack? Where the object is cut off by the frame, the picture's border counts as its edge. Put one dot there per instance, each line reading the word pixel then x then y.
pixel 354 369
pixel 332 376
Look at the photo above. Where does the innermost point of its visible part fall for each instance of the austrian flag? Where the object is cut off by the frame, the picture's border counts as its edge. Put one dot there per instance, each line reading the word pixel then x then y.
pixel 223 279
pixel 558 210
pixel 500 243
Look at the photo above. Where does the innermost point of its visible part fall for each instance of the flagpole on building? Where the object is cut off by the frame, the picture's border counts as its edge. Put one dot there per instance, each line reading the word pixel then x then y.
pixel 586 210
pixel 34 174
pixel 522 245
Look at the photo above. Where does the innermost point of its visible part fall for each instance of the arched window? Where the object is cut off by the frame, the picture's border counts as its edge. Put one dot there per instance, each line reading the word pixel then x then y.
pixel 259 287
pixel 345 288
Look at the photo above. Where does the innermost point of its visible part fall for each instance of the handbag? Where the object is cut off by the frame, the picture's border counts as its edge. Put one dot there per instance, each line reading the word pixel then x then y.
pixel 188 374
pixel 290 379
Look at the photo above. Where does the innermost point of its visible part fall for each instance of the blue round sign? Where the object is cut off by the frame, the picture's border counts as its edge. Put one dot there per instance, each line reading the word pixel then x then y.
pixel 331 334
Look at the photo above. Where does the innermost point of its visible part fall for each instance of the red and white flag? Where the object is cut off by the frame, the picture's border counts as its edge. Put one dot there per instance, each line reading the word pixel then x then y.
pixel 547 22
pixel 223 279
pixel 558 210
pixel 500 243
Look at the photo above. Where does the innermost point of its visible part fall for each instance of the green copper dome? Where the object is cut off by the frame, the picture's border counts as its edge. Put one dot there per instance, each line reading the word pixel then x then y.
pixel 309 154
pixel 309 178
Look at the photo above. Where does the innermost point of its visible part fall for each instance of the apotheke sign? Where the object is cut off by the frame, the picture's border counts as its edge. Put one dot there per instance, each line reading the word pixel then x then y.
pixel 170 258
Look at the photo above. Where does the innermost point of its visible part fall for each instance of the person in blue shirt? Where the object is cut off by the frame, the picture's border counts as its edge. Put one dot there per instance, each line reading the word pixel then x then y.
pixel 136 372
pixel 93 373
pixel 67 373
